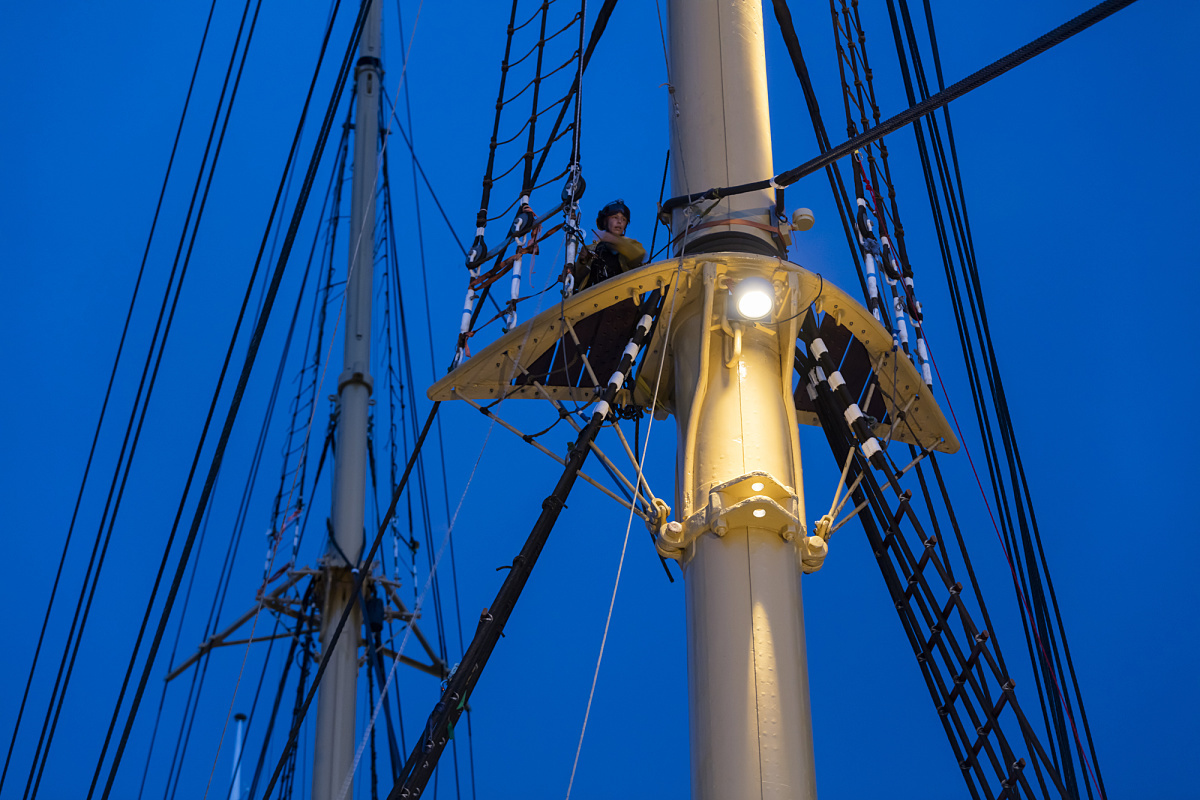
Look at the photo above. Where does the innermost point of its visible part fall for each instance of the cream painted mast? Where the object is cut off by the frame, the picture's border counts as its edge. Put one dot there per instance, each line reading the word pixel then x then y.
pixel 751 728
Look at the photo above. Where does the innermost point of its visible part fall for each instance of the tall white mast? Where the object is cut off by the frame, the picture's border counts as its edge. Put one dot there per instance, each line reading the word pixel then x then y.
pixel 336 739
pixel 751 729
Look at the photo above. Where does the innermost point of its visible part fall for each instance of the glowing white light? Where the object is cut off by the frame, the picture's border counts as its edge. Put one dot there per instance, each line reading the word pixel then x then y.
pixel 754 297
pixel 756 487
pixel 760 512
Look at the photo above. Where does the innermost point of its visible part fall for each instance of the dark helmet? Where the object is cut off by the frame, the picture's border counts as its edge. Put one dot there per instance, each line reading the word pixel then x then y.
pixel 615 207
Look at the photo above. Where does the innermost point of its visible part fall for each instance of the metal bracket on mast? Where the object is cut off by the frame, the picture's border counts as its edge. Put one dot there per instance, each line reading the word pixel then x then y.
pixel 755 500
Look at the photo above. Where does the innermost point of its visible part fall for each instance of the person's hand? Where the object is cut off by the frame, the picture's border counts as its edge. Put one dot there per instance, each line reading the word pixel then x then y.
pixel 603 236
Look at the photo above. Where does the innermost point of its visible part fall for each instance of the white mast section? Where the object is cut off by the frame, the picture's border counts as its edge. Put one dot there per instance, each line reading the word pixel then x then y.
pixel 751 728
pixel 336 732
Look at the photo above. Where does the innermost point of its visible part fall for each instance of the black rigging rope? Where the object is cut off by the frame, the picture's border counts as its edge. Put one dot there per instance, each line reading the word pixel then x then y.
pixel 303 625
pixel 602 17
pixel 481 217
pixel 920 618
pixel 433 370
pixel 1028 587
pixel 187 260
pixel 527 183
pixel 423 759
pixel 915 112
pixel 840 196
pixel 121 475
pixel 302 707
pixel 107 395
pixel 197 686
pixel 251 354
pixel 1027 579
pixel 392 281
pixel 421 170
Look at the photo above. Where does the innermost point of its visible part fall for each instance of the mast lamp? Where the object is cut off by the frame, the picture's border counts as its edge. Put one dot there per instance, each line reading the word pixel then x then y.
pixel 753 297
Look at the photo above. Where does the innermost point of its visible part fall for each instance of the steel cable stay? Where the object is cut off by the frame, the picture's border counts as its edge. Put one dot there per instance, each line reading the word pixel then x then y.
pixel 251 354
pixel 1029 585
pixel 915 112
pixel 358 577
pixel 239 525
pixel 120 476
pixel 958 676
pixel 107 395
pixel 438 730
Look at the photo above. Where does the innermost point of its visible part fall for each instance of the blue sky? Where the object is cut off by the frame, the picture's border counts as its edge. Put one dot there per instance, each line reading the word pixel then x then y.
pixel 1078 168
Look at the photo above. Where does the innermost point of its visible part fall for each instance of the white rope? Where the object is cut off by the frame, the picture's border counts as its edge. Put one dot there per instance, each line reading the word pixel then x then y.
pixel 625 544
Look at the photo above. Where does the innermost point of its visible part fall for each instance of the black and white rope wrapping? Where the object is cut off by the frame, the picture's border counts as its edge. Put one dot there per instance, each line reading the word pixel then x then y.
pixel 604 407
pixel 464 326
pixel 914 313
pixel 826 372
pixel 899 324
pixel 870 251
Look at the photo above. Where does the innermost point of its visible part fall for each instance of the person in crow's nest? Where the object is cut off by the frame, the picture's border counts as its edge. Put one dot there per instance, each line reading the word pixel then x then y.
pixel 603 335
pixel 612 251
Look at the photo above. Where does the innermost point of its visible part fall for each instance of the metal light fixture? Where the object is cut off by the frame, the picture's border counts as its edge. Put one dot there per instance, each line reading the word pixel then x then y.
pixel 753 297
